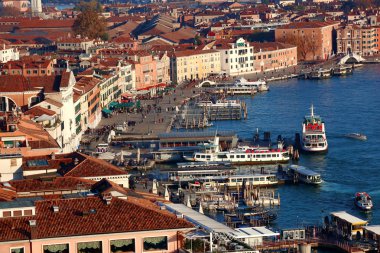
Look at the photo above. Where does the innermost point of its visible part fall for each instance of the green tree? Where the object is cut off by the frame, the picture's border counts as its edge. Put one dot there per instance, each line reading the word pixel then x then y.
pixel 89 23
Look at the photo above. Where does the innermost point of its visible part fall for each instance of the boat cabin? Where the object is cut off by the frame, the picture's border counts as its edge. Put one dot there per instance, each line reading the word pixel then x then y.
pixel 347 225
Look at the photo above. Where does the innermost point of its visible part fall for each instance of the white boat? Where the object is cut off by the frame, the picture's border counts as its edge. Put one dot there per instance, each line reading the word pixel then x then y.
pixel 313 133
pixel 211 153
pixel 305 175
pixel 363 201
pixel 342 70
pixel 320 74
pixel 220 103
pixel 260 85
pixel 237 180
pixel 357 136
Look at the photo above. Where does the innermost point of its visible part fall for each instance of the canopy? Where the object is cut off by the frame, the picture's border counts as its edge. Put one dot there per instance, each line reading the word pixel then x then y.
pixel 107 111
pixel 44 117
pixel 113 104
pixel 125 105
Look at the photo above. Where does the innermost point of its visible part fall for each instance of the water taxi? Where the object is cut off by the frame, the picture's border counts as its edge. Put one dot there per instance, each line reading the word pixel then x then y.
pixel 313 133
pixel 363 201
pixel 304 175
pixel 357 136
pixel 254 155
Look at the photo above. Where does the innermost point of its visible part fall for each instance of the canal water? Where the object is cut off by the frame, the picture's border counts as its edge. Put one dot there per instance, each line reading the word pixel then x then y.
pixel 347 104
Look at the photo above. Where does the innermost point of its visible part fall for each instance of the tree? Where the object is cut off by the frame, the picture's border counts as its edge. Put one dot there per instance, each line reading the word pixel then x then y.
pixel 304 44
pixel 89 23
pixel 9 11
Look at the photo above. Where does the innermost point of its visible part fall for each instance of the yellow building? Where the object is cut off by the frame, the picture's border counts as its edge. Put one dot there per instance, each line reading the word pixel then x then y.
pixel 194 64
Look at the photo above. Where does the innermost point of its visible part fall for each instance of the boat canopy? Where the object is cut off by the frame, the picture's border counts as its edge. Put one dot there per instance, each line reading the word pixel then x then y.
pixel 304 171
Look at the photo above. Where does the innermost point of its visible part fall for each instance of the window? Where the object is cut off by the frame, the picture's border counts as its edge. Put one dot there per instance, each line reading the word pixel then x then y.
pixel 13 162
pixel 28 212
pixel 56 248
pixel 7 214
pixel 17 213
pixel 155 243
pixel 122 246
pixel 89 247
pixel 17 250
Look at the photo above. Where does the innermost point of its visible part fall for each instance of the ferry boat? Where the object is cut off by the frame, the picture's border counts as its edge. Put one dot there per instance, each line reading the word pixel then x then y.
pixel 237 180
pixel 305 175
pixel 260 85
pixel 363 201
pixel 220 103
pixel 245 155
pixel 320 74
pixel 357 136
pixel 342 70
pixel 313 133
pixel 187 172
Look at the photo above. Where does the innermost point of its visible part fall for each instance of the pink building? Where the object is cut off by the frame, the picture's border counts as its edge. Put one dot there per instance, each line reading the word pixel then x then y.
pixel 145 69
pixel 89 224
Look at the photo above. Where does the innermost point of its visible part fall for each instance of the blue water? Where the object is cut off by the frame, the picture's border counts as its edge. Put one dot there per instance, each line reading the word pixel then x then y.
pixel 347 104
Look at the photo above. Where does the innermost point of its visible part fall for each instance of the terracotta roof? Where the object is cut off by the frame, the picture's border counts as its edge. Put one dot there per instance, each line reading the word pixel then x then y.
pixel 75 218
pixel 7 193
pixel 270 46
pixel 39 111
pixel 55 184
pixel 105 186
pixel 47 23
pixel 18 83
pixel 53 102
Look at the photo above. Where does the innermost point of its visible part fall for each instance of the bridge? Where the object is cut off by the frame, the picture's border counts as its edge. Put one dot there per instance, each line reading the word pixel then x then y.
pixel 206 83
pixel 351 58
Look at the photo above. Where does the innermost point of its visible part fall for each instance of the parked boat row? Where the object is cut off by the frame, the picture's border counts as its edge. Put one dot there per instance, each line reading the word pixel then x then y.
pixel 323 73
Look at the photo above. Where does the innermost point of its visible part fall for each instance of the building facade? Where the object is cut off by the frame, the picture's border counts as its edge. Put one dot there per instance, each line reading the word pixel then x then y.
pixel 8 54
pixel 356 39
pixel 314 40
pixel 194 64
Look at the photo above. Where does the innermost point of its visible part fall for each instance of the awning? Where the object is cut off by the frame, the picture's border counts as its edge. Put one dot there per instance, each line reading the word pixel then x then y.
pixel 44 117
pixel 159 85
pixel 128 95
pixel 112 104
pixel 107 111
pixel 125 105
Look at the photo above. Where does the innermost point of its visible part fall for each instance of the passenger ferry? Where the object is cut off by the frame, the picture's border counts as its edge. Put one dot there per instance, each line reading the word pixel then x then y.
pixel 305 175
pixel 260 85
pixel 244 155
pixel 220 103
pixel 203 174
pixel 237 180
pixel 313 133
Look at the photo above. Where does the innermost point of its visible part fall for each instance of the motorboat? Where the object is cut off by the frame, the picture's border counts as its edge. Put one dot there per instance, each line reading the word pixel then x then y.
pixel 313 133
pixel 260 85
pixel 305 175
pixel 363 201
pixel 357 136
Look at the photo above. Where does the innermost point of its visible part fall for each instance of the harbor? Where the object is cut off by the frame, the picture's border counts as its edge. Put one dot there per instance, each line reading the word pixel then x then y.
pixel 283 200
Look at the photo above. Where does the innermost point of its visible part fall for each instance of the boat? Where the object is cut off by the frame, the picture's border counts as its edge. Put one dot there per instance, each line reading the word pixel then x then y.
pixel 255 155
pixel 220 103
pixel 320 74
pixel 357 136
pixel 304 175
pixel 363 201
pixel 342 70
pixel 260 85
pixel 313 133
pixel 239 180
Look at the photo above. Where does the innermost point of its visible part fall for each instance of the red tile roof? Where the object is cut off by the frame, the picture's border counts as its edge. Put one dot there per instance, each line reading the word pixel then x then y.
pixel 74 219
pixel 37 111
pixel 55 184
pixel 21 84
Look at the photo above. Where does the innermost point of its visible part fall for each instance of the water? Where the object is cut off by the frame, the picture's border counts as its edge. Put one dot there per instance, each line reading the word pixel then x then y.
pixel 347 104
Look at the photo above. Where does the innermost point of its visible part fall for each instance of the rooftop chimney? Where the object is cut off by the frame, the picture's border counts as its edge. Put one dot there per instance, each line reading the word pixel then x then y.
pixel 52 156
pixel 32 223
pixel 56 209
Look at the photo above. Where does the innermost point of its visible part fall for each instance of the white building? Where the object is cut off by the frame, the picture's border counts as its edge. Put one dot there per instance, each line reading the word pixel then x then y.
pixel 8 54
pixel 10 167
pixel 236 58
